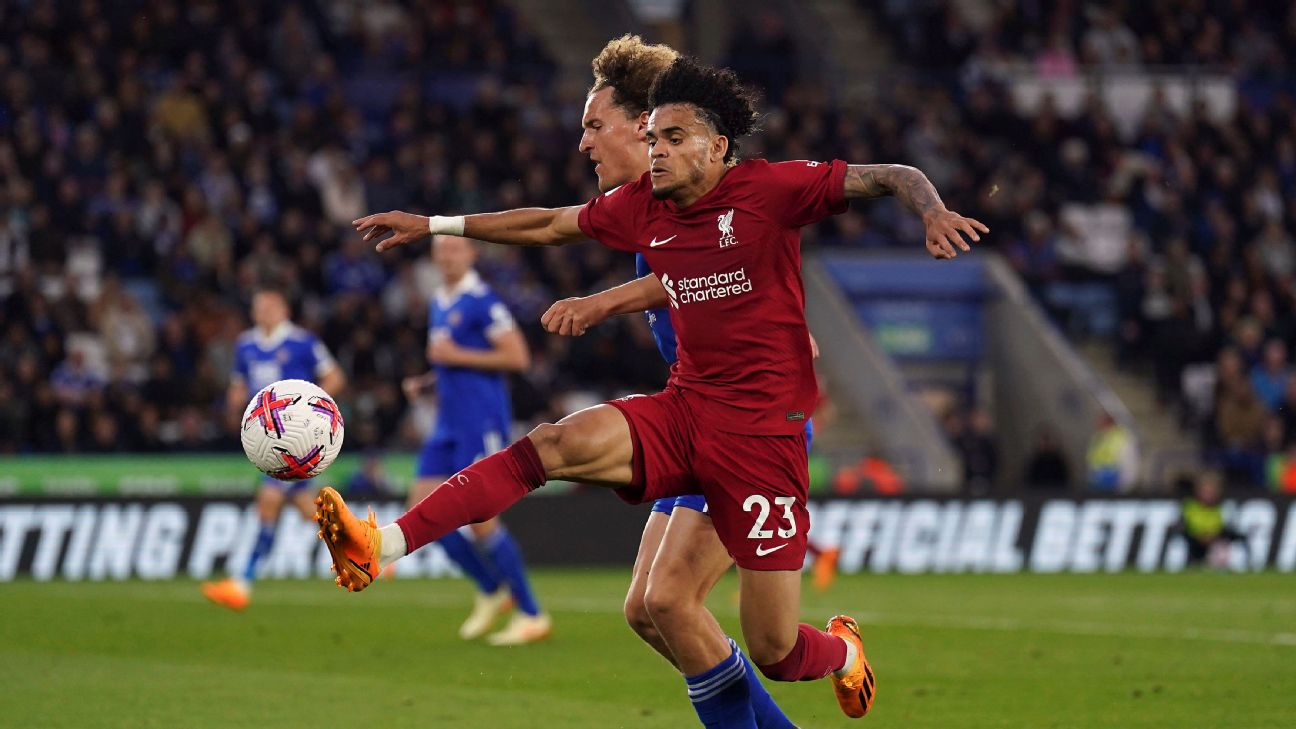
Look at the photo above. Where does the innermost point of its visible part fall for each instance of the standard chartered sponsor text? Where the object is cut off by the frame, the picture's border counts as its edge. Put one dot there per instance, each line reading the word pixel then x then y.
pixel 715 286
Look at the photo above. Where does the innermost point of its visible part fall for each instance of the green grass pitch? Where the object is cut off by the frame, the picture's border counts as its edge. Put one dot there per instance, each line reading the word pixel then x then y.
pixel 1191 650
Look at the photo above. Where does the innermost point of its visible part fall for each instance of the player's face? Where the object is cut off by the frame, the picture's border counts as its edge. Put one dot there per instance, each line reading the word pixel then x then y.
pixel 682 149
pixel 453 256
pixel 613 140
pixel 269 310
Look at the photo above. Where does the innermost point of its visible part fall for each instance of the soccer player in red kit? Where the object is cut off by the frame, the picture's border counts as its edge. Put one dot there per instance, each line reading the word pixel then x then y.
pixel 723 240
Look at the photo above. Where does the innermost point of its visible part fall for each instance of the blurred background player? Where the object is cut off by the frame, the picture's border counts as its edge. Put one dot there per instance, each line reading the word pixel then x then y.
pixel 1203 525
pixel 473 343
pixel 273 349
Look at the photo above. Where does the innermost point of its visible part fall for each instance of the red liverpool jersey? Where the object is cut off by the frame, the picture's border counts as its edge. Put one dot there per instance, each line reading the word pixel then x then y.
pixel 731 265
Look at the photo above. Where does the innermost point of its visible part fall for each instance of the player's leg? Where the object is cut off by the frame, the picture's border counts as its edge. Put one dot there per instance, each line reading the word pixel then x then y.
pixel 503 554
pixel 461 550
pixel 636 612
pixel 269 503
pixel 788 650
pixel 823 565
pixel 236 591
pixel 593 446
pixel 756 488
pixel 689 562
pixel 530 623
pixel 440 456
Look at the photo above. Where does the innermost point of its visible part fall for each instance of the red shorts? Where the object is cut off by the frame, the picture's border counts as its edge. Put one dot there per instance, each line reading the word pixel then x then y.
pixel 755 485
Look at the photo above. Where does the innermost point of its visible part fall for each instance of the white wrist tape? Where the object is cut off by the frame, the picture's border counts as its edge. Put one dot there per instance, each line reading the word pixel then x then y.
pixel 443 225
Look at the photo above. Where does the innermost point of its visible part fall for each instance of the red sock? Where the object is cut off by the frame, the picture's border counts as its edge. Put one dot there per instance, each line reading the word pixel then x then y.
pixel 815 655
pixel 475 494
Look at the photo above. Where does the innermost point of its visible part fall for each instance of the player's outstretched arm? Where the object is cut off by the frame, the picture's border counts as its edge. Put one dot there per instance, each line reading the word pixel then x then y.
pixel 572 317
pixel 521 227
pixel 945 228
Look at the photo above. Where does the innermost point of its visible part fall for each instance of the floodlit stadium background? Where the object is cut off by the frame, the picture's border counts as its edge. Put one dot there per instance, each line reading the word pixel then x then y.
pixel 1039 406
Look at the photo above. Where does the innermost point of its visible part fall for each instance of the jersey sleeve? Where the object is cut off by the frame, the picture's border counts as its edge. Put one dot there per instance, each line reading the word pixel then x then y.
pixel 495 317
pixel 323 361
pixel 804 192
pixel 614 217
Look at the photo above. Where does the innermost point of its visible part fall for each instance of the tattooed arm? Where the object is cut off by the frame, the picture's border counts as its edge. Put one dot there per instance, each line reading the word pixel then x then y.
pixel 945 229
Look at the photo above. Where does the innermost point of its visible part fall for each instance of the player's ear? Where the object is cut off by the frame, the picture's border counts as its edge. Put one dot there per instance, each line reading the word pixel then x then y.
pixel 719 147
pixel 641 128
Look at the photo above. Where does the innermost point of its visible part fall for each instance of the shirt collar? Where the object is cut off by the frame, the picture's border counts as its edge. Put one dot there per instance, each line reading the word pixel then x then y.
pixel 447 296
pixel 276 336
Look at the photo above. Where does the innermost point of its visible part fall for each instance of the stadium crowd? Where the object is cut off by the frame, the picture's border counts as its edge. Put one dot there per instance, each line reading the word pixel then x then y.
pixel 158 166
pixel 162 160
pixel 1204 285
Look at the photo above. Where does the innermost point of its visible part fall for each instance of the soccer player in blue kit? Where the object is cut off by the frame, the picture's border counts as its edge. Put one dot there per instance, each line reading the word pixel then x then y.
pixel 273 349
pixel 472 343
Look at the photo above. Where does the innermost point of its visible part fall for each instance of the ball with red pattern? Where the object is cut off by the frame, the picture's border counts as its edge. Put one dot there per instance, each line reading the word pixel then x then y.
pixel 292 430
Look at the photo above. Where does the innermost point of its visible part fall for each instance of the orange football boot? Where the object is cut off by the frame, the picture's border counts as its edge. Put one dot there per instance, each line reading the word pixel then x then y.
pixel 855 690
pixel 227 593
pixel 824 568
pixel 353 544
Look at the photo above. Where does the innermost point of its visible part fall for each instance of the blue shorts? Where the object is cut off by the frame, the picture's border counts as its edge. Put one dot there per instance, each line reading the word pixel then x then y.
pixel 697 502
pixel 445 454
pixel 287 488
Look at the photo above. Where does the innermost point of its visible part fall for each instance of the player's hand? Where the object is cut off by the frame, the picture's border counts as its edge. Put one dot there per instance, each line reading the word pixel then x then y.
pixel 946 230
pixel 405 228
pixel 572 317
pixel 412 387
pixel 814 348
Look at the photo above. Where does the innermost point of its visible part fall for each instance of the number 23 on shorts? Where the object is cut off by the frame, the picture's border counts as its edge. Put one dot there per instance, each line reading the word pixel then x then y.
pixel 761 504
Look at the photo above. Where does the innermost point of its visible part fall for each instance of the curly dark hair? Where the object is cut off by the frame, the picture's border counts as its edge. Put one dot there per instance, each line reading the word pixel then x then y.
pixel 722 101
pixel 630 66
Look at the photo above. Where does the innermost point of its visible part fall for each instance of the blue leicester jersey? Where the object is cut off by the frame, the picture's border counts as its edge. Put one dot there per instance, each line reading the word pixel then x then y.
pixel 658 319
pixel 470 400
pixel 288 353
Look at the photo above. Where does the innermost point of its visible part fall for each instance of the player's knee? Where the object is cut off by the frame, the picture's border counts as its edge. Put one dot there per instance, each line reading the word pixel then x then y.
pixel 660 603
pixel 769 651
pixel 637 617
pixel 551 443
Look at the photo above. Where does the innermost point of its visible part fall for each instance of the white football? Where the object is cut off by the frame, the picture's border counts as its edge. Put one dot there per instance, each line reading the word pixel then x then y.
pixel 292 430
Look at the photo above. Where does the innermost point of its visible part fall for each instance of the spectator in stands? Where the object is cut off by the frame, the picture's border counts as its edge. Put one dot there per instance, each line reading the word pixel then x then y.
pixel 1046 469
pixel 75 381
pixel 1113 458
pixel 1239 420
pixel 969 432
pixel 1108 42
pixel 1269 377
pixel 127 333
pixel 1035 254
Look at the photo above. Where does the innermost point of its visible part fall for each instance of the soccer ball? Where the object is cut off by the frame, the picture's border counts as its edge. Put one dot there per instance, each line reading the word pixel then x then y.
pixel 292 430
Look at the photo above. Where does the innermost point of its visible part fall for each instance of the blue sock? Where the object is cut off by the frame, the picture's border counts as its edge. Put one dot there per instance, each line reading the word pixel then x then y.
pixel 463 553
pixel 768 714
pixel 720 695
pixel 506 556
pixel 264 541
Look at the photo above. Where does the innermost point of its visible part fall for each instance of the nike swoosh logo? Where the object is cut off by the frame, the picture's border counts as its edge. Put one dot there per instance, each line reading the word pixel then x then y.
pixel 656 242
pixel 761 551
